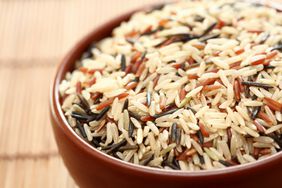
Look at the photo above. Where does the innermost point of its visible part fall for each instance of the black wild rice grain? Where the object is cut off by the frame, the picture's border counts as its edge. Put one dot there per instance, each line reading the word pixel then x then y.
pixel 84 104
pixel 84 117
pixel 165 113
pixel 130 129
pixel 102 113
pixel 123 62
pixel 247 92
pixel 178 135
pixel 256 4
pixel 95 142
pixel 81 129
pixel 177 74
pixel 130 41
pixel 199 18
pixel 160 28
pixel 269 67
pixel 175 162
pixel 278 47
pixel 255 112
pixel 183 23
pixel 277 139
pixel 129 147
pixel 136 79
pixel 181 37
pixel 107 147
pixel 125 105
pixel 142 59
pixel 264 39
pixel 171 165
pixel 86 55
pixel 134 115
pixel 200 136
pixel 209 29
pixel 92 46
pixel 202 161
pixel 116 146
pixel 225 163
pixel 256 84
pixel 173 136
pixel 183 66
pixel 208 37
pixel 115 155
pixel 192 109
pixel 198 64
pixel 172 61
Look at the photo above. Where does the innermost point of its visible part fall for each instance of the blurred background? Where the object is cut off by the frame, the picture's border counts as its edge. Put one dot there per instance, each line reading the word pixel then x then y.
pixel 34 37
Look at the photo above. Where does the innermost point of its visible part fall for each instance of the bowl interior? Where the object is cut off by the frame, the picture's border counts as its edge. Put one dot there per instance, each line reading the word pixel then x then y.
pixel 68 65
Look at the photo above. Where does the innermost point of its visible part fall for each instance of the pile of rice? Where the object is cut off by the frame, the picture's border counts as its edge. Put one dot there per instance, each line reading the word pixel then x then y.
pixel 192 85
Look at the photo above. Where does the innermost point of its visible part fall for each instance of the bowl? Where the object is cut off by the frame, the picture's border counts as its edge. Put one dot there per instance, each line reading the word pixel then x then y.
pixel 92 168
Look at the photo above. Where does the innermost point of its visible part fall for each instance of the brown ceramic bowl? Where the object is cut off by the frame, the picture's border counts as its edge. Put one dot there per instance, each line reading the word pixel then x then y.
pixel 92 168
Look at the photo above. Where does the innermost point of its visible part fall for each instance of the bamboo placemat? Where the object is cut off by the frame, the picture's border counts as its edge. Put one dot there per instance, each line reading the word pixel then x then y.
pixel 34 35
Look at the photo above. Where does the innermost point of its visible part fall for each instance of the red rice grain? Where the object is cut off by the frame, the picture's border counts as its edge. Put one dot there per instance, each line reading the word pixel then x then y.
pixel 272 104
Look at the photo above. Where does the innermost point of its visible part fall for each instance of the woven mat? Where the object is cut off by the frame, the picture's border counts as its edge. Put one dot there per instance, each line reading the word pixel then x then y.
pixel 35 35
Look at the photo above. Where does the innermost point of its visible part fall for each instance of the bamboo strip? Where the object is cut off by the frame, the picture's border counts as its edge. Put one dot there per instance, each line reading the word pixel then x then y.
pixel 15 114
pixel 25 125
pixel 7 109
pixel 34 173
pixel 3 169
pixel 3 95
pixel 9 179
pixel 47 29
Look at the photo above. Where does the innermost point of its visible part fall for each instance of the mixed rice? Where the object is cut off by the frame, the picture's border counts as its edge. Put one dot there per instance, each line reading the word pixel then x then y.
pixel 192 85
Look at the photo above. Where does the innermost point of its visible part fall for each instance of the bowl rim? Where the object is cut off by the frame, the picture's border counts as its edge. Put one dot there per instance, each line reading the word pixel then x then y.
pixel 60 120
